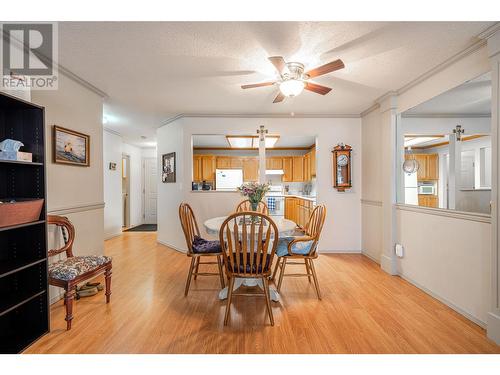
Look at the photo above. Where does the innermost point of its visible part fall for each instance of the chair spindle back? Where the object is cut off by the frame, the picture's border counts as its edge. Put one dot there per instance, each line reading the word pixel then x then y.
pixel 247 206
pixel 248 240
pixel 68 231
pixel 189 225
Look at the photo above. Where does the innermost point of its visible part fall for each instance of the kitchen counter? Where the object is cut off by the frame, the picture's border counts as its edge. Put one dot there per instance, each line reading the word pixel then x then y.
pixel 305 197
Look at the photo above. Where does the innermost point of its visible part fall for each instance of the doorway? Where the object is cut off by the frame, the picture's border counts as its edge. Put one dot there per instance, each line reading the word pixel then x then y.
pixel 149 191
pixel 126 191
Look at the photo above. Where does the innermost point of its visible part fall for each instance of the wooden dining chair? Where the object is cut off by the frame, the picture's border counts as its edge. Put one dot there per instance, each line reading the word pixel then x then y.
pixel 248 240
pixel 303 248
pixel 73 270
pixel 198 248
pixel 247 206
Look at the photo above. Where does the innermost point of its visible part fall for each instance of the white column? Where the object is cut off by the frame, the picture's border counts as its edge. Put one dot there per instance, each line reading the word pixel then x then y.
pixel 493 320
pixel 388 110
pixel 455 165
pixel 262 160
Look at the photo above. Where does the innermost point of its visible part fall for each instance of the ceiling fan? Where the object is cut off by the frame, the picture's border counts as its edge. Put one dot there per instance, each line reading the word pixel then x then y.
pixel 292 78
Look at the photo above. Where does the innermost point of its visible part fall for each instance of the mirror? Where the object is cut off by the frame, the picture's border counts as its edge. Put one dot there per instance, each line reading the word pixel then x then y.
pixel 444 148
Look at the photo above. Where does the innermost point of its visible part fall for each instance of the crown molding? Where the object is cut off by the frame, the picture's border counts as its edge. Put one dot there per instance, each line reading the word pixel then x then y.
pixel 490 31
pixel 63 70
pixel 256 115
pixel 370 110
pixel 111 131
pixel 476 46
pixel 446 115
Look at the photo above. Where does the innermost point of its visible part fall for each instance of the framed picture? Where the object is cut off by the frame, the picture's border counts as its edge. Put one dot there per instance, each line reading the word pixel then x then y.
pixel 71 147
pixel 168 167
pixel 112 166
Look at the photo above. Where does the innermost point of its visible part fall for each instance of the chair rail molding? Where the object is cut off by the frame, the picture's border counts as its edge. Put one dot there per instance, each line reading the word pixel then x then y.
pixel 493 323
pixel 76 208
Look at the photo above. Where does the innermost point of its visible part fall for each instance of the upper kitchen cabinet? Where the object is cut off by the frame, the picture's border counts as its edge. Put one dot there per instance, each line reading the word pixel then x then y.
pixel 223 162
pixel 197 168
pixel 287 169
pixel 298 169
pixel 250 169
pixel 275 162
pixel 312 161
pixel 208 167
pixel 428 166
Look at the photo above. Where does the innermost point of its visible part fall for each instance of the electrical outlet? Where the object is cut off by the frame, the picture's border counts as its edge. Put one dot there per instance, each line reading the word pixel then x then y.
pixel 399 250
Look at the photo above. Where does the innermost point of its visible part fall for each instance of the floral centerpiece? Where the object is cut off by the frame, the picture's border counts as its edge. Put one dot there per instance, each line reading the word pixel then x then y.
pixel 255 192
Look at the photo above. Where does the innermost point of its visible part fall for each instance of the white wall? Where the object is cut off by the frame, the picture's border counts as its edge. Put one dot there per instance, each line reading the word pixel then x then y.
pixel 76 192
pixel 371 204
pixel 136 183
pixel 445 256
pixel 112 153
pixel 342 231
pixel 449 258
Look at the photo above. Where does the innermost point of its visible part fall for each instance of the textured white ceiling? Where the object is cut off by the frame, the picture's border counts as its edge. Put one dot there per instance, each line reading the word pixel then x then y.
pixel 153 71
pixel 220 141
pixel 471 98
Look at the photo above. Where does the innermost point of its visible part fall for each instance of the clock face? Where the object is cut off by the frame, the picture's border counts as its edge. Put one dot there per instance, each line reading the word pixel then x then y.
pixel 342 160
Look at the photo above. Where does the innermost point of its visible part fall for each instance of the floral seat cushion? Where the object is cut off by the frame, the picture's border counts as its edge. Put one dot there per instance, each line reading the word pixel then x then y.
pixel 73 267
pixel 202 246
pixel 300 247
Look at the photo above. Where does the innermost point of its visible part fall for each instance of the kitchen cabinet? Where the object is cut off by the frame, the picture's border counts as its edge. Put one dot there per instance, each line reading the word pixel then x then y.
pixel 223 162
pixel 428 166
pixel 287 169
pixel 313 161
pixel 208 167
pixel 274 163
pixel 428 200
pixel 229 162
pixel 298 169
pixel 236 163
pixel 298 210
pixel 250 169
pixel 307 167
pixel 197 168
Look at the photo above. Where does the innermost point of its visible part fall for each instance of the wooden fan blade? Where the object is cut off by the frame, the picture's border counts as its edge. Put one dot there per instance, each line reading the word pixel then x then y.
pixel 278 62
pixel 251 86
pixel 327 68
pixel 318 89
pixel 279 98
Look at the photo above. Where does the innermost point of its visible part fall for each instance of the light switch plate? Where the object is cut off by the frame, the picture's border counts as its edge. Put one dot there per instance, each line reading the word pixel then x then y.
pixel 399 250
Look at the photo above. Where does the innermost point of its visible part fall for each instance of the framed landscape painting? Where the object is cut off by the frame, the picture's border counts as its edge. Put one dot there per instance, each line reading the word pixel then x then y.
pixel 168 167
pixel 71 147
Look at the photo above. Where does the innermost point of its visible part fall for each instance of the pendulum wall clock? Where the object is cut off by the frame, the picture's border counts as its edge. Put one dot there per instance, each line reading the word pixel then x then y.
pixel 342 167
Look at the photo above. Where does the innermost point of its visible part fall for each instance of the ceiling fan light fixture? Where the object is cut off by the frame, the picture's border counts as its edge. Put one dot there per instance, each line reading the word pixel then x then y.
pixel 292 87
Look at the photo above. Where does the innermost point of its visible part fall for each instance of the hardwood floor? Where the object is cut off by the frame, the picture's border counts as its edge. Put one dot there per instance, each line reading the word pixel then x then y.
pixel 363 310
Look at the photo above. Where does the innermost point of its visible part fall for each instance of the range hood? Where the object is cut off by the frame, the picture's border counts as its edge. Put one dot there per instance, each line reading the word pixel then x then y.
pixel 275 171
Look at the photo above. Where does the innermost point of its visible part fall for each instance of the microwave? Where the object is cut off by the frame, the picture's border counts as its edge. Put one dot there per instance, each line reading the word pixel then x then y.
pixel 427 190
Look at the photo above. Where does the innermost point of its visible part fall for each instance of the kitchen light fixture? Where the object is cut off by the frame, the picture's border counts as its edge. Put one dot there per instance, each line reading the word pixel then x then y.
pixel 413 140
pixel 251 141
pixel 291 87
pixel 458 131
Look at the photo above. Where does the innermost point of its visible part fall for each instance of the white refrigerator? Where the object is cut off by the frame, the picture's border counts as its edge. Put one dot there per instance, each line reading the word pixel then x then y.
pixel 228 179
pixel 411 188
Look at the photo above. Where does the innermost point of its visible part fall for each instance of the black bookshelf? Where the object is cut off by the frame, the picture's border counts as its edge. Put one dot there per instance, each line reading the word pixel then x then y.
pixel 24 309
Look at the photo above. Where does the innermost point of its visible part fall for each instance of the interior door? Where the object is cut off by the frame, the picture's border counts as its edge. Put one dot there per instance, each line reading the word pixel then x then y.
pixel 150 190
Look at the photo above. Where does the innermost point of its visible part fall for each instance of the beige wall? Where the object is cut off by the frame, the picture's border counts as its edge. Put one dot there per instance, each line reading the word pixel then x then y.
pixel 76 192
pixel 448 257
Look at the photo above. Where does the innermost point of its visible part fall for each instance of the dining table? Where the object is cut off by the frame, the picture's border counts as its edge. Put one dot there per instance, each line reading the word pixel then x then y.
pixel 285 228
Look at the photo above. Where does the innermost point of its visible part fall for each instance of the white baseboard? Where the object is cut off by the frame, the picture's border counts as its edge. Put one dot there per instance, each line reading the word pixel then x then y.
pixel 171 246
pixel 112 236
pixel 339 251
pixel 371 257
pixel 387 264
pixel 446 302
pixel 493 327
